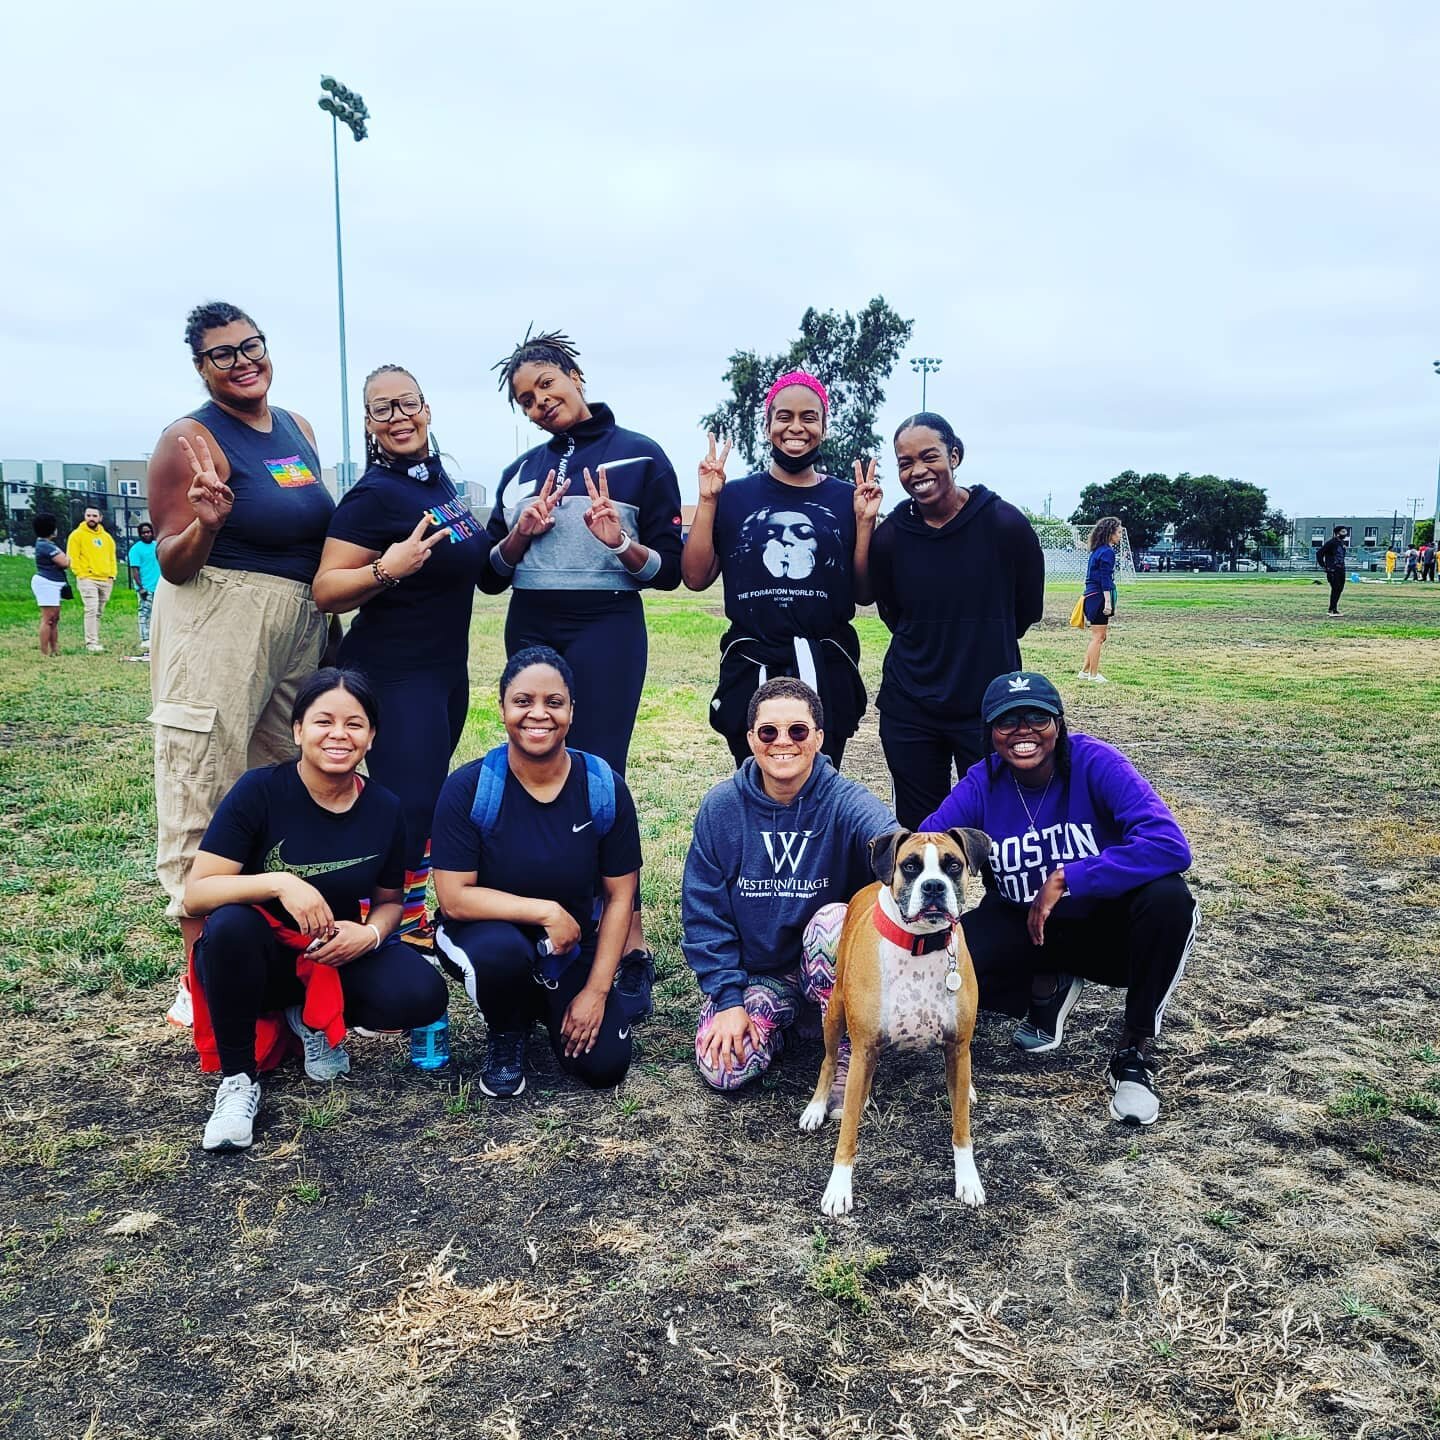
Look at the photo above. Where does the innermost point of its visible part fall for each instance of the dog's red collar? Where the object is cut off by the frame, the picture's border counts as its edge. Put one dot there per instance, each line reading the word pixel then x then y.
pixel 908 940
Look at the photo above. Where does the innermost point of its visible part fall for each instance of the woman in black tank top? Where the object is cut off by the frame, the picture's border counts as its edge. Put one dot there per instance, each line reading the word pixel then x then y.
pixel 240 517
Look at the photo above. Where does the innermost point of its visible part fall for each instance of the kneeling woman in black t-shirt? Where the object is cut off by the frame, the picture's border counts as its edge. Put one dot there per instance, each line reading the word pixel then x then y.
pixel 292 853
pixel 536 852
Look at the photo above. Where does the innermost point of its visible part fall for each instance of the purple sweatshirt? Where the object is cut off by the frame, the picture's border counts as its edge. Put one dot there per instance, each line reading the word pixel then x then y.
pixel 1105 824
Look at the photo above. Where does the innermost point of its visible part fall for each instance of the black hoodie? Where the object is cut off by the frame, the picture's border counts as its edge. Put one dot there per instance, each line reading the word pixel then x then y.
pixel 957 600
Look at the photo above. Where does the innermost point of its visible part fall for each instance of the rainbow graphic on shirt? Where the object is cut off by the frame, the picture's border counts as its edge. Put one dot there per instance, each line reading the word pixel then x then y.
pixel 459 517
pixel 291 472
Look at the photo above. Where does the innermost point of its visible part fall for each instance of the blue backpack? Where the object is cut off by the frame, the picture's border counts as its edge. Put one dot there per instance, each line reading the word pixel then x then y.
pixel 490 790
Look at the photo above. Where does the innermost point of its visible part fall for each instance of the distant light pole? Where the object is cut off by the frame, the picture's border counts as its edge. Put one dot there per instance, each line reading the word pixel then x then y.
pixel 1435 533
pixel 925 366
pixel 344 107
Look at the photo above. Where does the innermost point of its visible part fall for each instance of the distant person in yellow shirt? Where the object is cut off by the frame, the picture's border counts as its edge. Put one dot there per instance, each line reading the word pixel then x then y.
pixel 91 548
pixel 1390 558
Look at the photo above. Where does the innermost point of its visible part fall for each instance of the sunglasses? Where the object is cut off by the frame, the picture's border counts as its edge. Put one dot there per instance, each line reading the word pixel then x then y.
pixel 1030 719
pixel 799 732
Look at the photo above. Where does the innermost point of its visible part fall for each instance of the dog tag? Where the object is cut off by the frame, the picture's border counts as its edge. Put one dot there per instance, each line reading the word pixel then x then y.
pixel 952 981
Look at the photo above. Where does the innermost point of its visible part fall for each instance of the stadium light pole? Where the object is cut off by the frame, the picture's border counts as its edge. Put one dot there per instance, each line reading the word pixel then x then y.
pixel 344 107
pixel 1435 533
pixel 925 366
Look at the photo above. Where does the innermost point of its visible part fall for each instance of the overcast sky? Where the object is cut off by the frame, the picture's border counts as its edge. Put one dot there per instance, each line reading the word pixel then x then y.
pixel 1138 241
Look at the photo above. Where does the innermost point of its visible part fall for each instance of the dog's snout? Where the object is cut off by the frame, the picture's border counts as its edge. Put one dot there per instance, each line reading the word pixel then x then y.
pixel 933 887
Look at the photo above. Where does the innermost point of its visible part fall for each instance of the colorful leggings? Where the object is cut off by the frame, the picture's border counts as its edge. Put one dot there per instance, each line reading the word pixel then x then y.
pixel 776 1002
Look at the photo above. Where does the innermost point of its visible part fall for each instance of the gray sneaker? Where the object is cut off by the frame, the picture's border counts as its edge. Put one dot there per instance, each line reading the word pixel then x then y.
pixel 231 1125
pixel 1132 1078
pixel 323 1061
pixel 1043 1028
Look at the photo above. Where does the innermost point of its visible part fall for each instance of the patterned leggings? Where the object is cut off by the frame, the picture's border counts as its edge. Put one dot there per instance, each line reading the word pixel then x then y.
pixel 776 1002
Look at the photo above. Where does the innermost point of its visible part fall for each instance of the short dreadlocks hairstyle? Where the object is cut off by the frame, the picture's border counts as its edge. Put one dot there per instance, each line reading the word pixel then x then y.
pixel 551 347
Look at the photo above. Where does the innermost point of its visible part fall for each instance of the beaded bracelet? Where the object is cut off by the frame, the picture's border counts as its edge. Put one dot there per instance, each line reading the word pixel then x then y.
pixel 383 576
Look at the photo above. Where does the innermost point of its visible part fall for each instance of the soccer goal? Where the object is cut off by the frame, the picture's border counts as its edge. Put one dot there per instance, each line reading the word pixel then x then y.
pixel 1067 551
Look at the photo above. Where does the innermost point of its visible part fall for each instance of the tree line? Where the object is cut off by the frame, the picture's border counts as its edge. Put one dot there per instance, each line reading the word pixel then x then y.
pixel 1208 513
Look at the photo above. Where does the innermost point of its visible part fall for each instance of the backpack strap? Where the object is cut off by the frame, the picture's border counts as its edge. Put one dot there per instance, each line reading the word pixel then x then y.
pixel 600 782
pixel 490 790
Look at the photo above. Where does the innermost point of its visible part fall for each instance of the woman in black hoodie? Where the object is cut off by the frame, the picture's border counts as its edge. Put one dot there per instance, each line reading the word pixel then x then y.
pixel 958 576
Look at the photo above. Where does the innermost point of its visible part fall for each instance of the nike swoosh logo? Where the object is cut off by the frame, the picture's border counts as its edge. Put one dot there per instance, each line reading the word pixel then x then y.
pixel 275 862
pixel 623 1033
pixel 576 829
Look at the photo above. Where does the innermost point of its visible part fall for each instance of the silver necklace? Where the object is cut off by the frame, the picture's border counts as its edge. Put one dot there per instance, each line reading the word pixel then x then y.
pixel 1021 794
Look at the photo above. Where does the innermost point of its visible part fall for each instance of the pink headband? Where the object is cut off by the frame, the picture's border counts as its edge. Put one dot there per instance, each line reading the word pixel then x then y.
pixel 798 377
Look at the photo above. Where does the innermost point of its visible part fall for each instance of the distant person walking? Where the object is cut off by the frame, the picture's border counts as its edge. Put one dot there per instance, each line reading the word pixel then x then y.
pixel 1099 598
pixel 144 563
pixel 1427 560
pixel 1412 563
pixel 91 548
pixel 1390 558
pixel 1331 559
pixel 47 584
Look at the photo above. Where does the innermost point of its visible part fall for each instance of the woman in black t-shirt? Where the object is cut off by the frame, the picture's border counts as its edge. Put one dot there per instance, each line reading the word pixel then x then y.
pixel 47 584
pixel 405 551
pixel 537 861
pixel 291 857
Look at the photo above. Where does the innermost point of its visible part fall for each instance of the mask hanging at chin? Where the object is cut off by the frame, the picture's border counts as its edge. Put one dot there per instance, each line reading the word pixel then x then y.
pixel 794 464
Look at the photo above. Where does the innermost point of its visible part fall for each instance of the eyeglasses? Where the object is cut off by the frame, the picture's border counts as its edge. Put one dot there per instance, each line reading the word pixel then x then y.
pixel 799 732
pixel 223 357
pixel 1030 719
pixel 382 410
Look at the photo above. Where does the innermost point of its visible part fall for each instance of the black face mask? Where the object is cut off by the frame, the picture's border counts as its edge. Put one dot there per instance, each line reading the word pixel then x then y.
pixel 793 464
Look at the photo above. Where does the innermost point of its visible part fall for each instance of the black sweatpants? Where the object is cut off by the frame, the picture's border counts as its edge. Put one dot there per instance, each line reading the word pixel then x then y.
pixel 421 717
pixel 246 973
pixel 607 648
pixel 1138 941
pixel 1337 584
pixel 496 960
pixel 919 757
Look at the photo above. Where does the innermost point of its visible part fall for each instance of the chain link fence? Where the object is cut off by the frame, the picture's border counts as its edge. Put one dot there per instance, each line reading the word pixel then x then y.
pixel 22 502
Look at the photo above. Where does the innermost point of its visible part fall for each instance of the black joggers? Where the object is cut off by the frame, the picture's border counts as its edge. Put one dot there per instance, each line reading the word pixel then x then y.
pixel 919 757
pixel 1337 584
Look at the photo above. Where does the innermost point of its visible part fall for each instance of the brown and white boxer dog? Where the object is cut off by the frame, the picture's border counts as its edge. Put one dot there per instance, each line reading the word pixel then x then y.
pixel 904 977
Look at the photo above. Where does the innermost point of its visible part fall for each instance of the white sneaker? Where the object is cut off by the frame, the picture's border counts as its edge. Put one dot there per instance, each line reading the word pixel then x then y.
pixel 96 649
pixel 181 1013
pixel 1082 674
pixel 323 1061
pixel 1099 679
pixel 232 1122
pixel 144 644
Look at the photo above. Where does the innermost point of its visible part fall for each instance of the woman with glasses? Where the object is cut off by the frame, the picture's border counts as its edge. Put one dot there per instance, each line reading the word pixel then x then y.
pixel 778 850
pixel 240 517
pixel 406 552
pixel 1085 882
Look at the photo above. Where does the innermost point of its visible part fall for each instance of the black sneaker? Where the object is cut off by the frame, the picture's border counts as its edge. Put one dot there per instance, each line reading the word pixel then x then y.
pixel 1043 1027
pixel 633 983
pixel 504 1072
pixel 1132 1077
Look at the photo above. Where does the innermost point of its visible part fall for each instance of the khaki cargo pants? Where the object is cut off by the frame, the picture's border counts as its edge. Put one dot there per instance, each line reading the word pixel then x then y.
pixel 229 650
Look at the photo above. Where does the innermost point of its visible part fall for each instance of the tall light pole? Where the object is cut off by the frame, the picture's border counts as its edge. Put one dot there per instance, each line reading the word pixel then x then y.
pixel 1435 533
pixel 344 107
pixel 925 366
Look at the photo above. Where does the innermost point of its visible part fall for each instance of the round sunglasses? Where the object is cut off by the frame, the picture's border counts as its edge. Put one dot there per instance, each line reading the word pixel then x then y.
pixel 799 732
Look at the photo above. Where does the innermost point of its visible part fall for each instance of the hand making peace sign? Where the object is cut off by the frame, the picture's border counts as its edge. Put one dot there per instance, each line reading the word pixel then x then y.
pixel 209 496
pixel 406 556
pixel 602 517
pixel 538 516
pixel 867 492
pixel 712 470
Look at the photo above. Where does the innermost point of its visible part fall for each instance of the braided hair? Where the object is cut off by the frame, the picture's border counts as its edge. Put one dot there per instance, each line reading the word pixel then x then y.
pixel 374 455
pixel 550 347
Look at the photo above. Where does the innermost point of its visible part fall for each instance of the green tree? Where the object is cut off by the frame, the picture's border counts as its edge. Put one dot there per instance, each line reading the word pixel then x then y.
pixel 852 355
pixel 1275 529
pixel 1217 514
pixel 1145 505
pixel 1052 530
pixel 1424 531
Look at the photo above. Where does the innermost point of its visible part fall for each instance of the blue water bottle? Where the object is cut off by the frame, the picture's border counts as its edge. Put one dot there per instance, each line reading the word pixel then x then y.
pixel 430 1046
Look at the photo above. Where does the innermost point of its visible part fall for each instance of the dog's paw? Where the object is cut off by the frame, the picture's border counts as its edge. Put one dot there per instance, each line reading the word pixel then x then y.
pixel 838 1199
pixel 813 1116
pixel 967 1179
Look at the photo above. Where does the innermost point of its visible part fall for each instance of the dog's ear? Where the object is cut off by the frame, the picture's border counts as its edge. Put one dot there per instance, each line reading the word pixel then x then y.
pixel 974 845
pixel 882 854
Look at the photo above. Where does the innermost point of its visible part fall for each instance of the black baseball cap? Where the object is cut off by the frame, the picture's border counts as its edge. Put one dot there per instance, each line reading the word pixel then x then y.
pixel 1020 690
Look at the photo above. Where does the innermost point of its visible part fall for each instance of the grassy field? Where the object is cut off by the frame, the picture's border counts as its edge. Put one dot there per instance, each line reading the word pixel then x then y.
pixel 393 1260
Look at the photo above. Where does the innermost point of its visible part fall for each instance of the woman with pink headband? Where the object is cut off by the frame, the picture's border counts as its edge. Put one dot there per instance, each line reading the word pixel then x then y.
pixel 793 546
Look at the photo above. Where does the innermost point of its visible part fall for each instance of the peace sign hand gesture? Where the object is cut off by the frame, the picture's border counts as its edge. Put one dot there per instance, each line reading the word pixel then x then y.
pixel 209 496
pixel 539 515
pixel 712 470
pixel 602 517
pixel 867 493
pixel 406 556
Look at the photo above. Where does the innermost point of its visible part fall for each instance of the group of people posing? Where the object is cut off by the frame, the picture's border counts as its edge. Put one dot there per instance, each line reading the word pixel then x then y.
pixel 300 887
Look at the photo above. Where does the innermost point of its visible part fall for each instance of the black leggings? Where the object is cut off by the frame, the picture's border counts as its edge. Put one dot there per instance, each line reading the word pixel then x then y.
pixel 421 717
pixel 1138 941
pixel 496 961
pixel 1337 584
pixel 607 648
pixel 246 973
pixel 919 759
